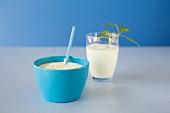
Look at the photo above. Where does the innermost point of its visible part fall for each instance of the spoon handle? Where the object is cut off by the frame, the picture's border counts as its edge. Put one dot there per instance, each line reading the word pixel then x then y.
pixel 70 44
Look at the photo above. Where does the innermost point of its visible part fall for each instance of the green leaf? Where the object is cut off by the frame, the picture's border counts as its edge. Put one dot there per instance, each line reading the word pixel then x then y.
pixel 116 25
pixel 105 32
pixel 110 24
pixel 108 34
pixel 130 39
pixel 124 29
pixel 103 37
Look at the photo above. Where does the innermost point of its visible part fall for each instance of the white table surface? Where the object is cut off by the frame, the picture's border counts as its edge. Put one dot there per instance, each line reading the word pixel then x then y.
pixel 141 83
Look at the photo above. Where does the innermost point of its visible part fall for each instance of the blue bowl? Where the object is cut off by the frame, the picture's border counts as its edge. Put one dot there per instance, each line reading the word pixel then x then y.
pixel 61 85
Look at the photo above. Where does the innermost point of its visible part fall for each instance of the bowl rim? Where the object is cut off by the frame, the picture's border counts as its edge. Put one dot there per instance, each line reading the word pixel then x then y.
pixel 83 66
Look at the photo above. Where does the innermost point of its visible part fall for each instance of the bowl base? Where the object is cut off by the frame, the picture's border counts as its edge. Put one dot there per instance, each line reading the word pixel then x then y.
pixel 62 101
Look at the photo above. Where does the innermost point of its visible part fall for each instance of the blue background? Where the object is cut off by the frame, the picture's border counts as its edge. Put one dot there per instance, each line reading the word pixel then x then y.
pixel 49 22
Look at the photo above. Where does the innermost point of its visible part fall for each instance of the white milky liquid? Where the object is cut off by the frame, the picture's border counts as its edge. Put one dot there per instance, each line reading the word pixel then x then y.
pixel 60 66
pixel 103 60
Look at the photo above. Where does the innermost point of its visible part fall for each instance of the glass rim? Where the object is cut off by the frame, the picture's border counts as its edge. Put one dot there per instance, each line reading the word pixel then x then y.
pixel 90 33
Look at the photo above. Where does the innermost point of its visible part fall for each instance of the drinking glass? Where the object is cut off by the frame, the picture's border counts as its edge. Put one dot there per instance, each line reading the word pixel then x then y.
pixel 102 53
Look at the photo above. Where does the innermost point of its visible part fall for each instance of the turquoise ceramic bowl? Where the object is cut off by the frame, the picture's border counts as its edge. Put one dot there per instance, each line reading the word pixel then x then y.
pixel 61 85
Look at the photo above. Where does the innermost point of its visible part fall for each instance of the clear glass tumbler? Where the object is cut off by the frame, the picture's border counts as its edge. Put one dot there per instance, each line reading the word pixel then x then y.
pixel 102 53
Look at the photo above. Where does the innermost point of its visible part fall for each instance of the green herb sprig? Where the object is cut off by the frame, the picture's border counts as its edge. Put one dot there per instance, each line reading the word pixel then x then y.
pixel 112 35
